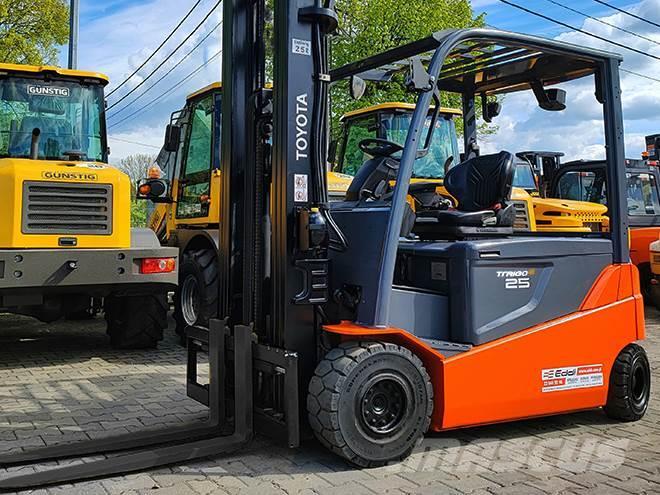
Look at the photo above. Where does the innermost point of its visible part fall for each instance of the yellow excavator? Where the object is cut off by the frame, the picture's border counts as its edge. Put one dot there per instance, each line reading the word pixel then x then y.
pixel 184 215
pixel 66 244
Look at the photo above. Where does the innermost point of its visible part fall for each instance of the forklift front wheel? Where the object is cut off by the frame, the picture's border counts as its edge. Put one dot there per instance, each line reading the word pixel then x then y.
pixel 370 402
pixel 630 385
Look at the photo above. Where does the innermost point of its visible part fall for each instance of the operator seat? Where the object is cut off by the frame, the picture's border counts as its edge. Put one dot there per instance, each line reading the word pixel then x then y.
pixel 58 131
pixel 482 188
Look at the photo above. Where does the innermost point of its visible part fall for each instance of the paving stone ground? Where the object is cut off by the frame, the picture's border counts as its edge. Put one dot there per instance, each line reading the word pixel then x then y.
pixel 63 383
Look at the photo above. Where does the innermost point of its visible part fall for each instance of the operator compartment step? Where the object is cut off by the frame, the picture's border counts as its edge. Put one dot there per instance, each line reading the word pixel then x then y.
pixel 445 348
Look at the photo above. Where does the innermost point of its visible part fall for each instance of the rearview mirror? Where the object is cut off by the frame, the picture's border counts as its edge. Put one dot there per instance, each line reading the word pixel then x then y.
pixel 490 109
pixel 155 190
pixel 172 137
pixel 358 87
pixel 552 100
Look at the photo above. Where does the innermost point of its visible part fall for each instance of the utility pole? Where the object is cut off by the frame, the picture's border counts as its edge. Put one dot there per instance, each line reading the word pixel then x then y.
pixel 73 34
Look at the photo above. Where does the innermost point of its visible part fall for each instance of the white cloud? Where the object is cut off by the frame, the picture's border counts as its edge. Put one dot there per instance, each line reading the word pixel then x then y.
pixel 579 130
pixel 118 43
pixel 143 139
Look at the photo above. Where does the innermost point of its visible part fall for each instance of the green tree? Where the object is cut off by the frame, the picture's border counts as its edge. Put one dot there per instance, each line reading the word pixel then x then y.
pixel 367 27
pixel 31 31
pixel 136 167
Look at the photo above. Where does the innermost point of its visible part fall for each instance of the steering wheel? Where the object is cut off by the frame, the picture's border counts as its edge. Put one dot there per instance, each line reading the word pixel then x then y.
pixel 379 147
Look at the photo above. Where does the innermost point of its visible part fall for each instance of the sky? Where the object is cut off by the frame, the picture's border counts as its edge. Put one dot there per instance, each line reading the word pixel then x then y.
pixel 116 36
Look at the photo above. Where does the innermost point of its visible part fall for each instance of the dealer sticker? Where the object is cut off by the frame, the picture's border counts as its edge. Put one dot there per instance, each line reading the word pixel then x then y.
pixel 572 377
pixel 48 91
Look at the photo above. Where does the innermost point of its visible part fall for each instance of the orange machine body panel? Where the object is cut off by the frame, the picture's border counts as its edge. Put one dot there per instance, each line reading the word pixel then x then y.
pixel 640 240
pixel 525 374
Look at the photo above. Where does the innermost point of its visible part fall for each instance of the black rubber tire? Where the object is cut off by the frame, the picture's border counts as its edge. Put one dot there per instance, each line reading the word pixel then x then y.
pixel 630 385
pixel 202 265
pixel 338 396
pixel 136 322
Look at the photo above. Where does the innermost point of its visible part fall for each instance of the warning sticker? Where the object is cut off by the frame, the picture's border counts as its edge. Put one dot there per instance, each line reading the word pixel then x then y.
pixel 556 379
pixel 300 188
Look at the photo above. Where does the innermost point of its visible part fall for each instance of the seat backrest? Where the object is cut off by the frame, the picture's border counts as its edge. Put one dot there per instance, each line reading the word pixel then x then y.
pixel 481 182
pixel 59 131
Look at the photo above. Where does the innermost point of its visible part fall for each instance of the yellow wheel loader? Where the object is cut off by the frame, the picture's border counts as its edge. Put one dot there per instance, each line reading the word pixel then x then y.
pixel 184 215
pixel 66 245
pixel 391 121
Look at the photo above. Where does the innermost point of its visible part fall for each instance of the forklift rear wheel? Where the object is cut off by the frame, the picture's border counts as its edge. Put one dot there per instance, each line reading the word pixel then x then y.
pixel 630 385
pixel 136 322
pixel 370 402
pixel 197 296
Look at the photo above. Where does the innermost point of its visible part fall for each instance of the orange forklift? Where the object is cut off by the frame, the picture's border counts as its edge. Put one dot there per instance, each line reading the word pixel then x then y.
pixel 362 321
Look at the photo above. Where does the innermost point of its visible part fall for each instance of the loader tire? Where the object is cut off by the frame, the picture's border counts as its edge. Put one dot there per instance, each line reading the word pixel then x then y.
pixel 630 385
pixel 196 299
pixel 136 322
pixel 370 402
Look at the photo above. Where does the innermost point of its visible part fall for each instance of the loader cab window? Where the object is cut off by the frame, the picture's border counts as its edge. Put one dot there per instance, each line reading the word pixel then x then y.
pixel 356 131
pixel 524 177
pixel 642 195
pixel 195 184
pixel 583 186
pixel 394 127
pixel 444 143
pixel 69 115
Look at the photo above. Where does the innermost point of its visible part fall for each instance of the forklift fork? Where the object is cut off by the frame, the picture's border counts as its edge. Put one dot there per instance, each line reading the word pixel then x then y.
pixel 178 444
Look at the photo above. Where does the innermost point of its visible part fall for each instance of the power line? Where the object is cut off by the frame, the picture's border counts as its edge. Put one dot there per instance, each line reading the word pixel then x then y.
pixel 169 36
pixel 559 4
pixel 177 85
pixel 547 18
pixel 166 58
pixel 133 142
pixel 640 75
pixel 633 73
pixel 117 112
pixel 627 13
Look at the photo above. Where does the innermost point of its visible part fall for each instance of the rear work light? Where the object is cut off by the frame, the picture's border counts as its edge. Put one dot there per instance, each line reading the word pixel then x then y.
pixel 157 265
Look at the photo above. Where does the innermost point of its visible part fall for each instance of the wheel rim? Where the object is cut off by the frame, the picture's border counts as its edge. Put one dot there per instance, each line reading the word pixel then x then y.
pixel 384 404
pixel 640 385
pixel 190 300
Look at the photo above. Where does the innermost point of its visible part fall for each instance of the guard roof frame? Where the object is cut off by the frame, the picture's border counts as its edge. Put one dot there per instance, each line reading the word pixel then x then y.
pixel 580 62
